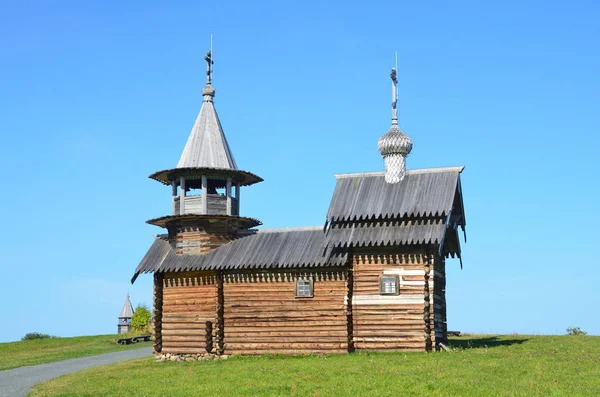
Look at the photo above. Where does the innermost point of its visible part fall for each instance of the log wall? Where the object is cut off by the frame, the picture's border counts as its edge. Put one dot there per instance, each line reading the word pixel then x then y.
pixel 392 322
pixel 189 303
pixel 258 312
pixel 194 238
pixel 263 315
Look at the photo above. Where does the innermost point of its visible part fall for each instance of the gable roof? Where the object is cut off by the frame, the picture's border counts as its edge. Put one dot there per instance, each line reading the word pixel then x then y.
pixel 265 248
pixel 207 146
pixel 367 196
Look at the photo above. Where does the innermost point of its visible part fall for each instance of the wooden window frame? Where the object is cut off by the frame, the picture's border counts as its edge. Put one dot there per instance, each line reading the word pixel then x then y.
pixel 397 289
pixel 311 285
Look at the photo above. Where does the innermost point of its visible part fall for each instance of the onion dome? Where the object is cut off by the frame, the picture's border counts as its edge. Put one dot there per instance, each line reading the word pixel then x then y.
pixel 394 145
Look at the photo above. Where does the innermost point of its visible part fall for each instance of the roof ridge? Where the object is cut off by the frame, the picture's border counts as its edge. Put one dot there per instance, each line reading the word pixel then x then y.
pixel 408 172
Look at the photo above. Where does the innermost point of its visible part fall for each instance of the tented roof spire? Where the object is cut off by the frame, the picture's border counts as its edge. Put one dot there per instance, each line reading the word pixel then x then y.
pixel 207 146
pixel 127 311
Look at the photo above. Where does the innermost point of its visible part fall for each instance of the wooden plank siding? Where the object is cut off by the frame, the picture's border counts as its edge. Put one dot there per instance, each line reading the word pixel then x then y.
pixel 189 302
pixel 392 322
pixel 263 315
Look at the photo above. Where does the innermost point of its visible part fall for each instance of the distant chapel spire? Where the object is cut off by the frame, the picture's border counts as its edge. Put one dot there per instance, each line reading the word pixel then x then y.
pixel 394 145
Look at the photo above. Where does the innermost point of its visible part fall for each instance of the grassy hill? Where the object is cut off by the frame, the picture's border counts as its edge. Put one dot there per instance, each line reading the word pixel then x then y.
pixel 40 351
pixel 478 365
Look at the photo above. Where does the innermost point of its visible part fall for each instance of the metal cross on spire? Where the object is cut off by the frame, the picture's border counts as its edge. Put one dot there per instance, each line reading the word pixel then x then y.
pixel 394 97
pixel 209 63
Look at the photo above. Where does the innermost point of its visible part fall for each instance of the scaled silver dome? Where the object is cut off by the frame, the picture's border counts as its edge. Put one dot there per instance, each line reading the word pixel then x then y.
pixel 394 146
pixel 394 142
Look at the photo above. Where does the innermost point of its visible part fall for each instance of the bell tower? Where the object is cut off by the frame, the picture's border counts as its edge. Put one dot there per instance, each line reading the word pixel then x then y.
pixel 205 185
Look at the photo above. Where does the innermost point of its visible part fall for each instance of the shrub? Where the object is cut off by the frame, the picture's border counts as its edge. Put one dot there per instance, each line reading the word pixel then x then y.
pixel 36 335
pixel 140 322
pixel 576 331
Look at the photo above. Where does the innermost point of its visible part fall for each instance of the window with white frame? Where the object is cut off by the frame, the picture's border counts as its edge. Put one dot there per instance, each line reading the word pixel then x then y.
pixel 304 288
pixel 388 285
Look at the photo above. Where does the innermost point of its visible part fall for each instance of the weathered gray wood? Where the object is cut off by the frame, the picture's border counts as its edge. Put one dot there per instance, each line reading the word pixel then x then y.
pixel 174 188
pixel 204 194
pixel 182 196
pixel 237 198
pixel 228 194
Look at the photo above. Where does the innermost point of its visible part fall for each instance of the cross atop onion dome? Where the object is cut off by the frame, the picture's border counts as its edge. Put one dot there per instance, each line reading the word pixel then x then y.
pixel 394 145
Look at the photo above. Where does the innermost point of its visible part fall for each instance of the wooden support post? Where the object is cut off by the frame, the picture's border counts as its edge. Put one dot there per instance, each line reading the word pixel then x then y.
pixel 182 196
pixel 444 319
pixel 427 306
pixel 237 198
pixel 158 312
pixel 204 195
pixel 349 318
pixel 220 314
pixel 174 194
pixel 228 194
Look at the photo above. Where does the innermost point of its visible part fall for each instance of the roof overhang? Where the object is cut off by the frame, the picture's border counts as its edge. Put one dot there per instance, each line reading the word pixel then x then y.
pixel 240 221
pixel 190 174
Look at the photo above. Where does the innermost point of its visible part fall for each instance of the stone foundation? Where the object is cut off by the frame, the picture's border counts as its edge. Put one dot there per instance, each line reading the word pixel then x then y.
pixel 189 357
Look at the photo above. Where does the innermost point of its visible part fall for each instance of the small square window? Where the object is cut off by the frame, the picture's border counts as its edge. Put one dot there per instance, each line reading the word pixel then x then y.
pixel 304 288
pixel 388 285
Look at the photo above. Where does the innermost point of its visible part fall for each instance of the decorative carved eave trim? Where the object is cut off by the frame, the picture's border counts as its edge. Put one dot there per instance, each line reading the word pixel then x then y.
pixel 244 178
pixel 240 221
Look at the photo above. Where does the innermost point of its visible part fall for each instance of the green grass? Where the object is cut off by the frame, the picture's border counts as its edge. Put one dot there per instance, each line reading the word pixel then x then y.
pixel 40 351
pixel 479 365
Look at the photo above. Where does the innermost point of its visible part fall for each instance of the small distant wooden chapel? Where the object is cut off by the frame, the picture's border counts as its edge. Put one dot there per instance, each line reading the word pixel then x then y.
pixel 372 277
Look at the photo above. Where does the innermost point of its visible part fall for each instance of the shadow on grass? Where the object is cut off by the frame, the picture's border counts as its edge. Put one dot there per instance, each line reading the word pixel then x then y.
pixel 489 341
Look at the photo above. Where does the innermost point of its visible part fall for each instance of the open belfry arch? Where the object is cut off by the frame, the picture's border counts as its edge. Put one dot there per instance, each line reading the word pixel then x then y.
pixel 373 277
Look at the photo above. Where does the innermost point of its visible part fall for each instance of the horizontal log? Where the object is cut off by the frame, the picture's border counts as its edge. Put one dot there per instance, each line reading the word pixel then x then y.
pixel 241 291
pixel 171 339
pixel 183 317
pixel 283 298
pixel 184 332
pixel 315 314
pixel 340 321
pixel 184 350
pixel 190 309
pixel 284 346
pixel 390 345
pixel 186 324
pixel 286 352
pixel 400 325
pixel 191 301
pixel 282 339
pixel 184 345
pixel 234 309
pixel 315 333
pixel 411 332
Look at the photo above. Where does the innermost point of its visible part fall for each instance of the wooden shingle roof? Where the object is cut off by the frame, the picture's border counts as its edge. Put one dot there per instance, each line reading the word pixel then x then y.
pixel 263 249
pixel 367 196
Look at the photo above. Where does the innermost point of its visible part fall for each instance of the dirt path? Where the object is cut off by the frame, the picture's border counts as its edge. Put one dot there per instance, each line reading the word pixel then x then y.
pixel 18 382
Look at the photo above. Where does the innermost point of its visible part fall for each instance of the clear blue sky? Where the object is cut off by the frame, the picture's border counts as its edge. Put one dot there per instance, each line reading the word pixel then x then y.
pixel 95 96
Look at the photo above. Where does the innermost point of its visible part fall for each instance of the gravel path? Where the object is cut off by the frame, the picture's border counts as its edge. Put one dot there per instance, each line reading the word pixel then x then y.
pixel 18 382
